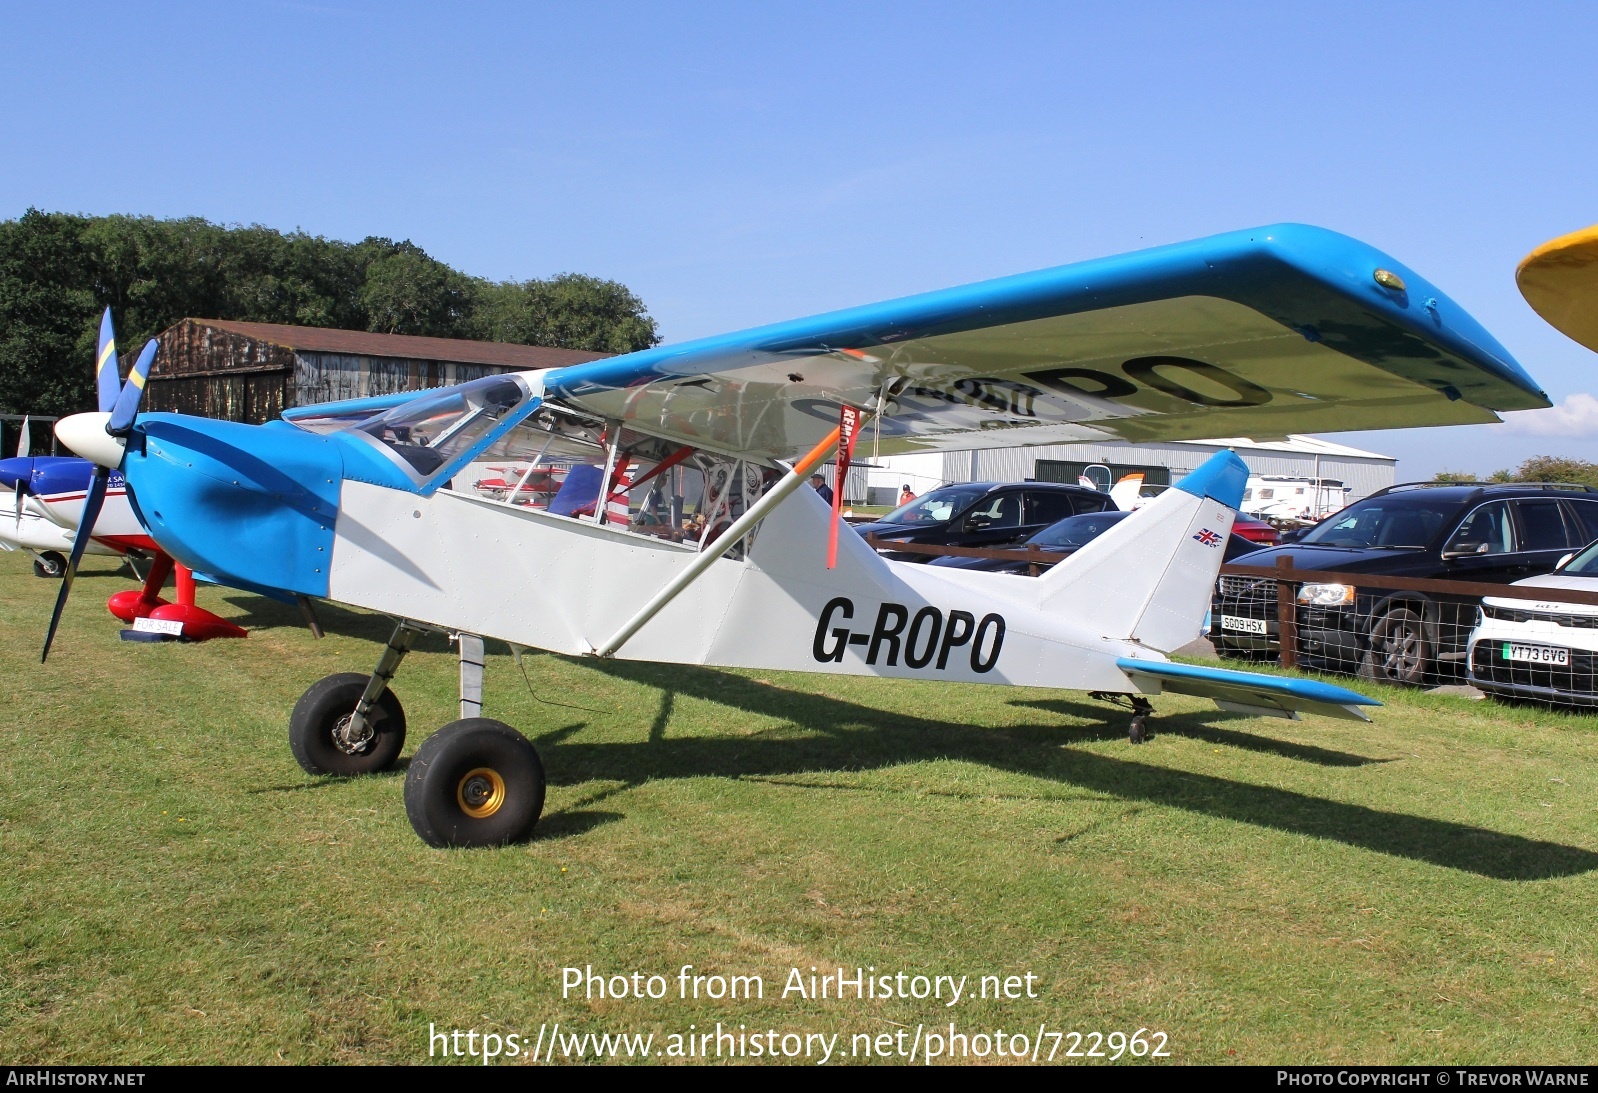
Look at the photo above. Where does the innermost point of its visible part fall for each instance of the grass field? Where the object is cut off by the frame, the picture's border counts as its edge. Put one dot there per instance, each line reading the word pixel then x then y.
pixel 175 889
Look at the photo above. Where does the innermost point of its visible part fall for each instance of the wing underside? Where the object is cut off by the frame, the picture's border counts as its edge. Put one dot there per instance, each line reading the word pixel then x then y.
pixel 1258 334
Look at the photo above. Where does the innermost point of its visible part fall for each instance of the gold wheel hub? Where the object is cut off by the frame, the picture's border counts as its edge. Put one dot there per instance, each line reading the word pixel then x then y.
pixel 480 793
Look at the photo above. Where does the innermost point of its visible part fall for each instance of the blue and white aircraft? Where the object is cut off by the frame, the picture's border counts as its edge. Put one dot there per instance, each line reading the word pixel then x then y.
pixel 53 497
pixel 699 544
pixel 43 495
pixel 27 525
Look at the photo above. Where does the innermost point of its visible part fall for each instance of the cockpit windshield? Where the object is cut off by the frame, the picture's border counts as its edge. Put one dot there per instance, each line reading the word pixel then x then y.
pixel 428 432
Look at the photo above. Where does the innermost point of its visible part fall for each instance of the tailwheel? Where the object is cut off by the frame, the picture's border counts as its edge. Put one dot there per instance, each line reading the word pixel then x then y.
pixel 1138 732
pixel 475 782
pixel 327 738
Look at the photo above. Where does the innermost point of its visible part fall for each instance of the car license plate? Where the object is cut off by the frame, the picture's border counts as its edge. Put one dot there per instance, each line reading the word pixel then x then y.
pixel 1242 625
pixel 1536 654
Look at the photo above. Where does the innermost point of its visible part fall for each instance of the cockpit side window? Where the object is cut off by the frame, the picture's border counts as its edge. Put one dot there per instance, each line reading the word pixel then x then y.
pixel 427 434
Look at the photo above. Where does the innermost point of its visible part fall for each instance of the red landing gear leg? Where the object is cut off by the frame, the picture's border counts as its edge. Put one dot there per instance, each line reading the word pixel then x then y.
pixel 195 623
pixel 138 603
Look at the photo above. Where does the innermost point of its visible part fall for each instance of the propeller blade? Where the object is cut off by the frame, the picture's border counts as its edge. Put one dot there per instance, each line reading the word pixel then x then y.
pixel 25 441
pixel 127 407
pixel 91 513
pixel 106 383
pixel 17 495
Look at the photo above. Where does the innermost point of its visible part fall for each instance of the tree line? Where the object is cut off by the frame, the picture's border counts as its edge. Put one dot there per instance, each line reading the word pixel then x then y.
pixel 58 271
pixel 1539 468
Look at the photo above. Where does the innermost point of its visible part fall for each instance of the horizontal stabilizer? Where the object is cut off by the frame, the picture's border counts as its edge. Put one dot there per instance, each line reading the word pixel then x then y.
pixel 1247 692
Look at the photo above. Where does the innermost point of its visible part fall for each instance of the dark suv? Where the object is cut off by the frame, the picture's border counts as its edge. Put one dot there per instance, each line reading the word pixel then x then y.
pixel 1471 532
pixel 981 514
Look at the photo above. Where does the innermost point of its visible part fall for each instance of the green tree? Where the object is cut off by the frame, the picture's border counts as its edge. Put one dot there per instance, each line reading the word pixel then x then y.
pixel 1539 468
pixel 406 292
pixel 58 270
pixel 1553 468
pixel 569 311
pixel 47 300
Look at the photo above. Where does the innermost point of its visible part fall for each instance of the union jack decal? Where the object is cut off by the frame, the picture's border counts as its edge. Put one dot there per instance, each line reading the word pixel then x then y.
pixel 1208 538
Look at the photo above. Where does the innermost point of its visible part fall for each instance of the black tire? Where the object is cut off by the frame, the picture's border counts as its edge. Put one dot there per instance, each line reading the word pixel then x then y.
pixel 1138 731
pixel 1399 649
pixel 52 563
pixel 475 782
pixel 320 710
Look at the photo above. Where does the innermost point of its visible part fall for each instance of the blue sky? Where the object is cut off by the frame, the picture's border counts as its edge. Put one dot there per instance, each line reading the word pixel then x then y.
pixel 737 164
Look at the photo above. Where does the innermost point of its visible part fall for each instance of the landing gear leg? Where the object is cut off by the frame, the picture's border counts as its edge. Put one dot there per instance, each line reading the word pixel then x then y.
pixel 399 643
pixel 353 724
pixel 132 559
pixel 1142 710
pixel 471 649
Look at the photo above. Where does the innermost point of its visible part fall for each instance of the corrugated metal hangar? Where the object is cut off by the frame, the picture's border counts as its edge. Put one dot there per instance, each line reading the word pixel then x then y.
pixel 252 372
pixel 1302 456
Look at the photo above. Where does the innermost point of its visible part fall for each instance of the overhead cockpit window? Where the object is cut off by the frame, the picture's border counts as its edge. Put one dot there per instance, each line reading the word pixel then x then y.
pixel 429 432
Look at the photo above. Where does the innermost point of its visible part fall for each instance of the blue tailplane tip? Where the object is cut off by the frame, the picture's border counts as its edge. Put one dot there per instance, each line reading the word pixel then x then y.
pixel 1220 478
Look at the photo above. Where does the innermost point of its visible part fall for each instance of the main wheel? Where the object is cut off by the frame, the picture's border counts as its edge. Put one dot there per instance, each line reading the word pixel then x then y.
pixel 318 728
pixel 475 782
pixel 51 563
pixel 1399 651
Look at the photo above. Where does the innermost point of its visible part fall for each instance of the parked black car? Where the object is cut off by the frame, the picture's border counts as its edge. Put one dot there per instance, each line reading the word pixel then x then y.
pixel 1486 532
pixel 1062 539
pixel 981 514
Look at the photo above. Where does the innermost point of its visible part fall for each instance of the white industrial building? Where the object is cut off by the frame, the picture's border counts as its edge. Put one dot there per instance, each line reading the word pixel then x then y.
pixel 1303 456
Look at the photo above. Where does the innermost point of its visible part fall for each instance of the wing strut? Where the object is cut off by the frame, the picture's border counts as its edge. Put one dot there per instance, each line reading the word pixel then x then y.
pixel 741 527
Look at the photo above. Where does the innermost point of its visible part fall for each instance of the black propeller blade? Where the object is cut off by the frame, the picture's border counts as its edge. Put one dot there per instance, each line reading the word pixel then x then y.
pixel 91 512
pixel 121 404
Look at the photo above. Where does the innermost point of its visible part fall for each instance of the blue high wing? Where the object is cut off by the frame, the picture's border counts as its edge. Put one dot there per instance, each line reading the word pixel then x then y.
pixel 1283 329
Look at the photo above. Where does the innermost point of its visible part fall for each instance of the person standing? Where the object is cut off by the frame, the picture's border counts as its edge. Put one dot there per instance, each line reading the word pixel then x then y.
pixel 905 494
pixel 821 487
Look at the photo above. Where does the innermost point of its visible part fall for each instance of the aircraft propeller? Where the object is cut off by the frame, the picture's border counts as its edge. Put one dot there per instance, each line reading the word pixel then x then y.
pixel 119 405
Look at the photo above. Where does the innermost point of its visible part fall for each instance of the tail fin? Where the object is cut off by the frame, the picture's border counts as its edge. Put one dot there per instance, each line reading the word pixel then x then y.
pixel 1125 493
pixel 1149 578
